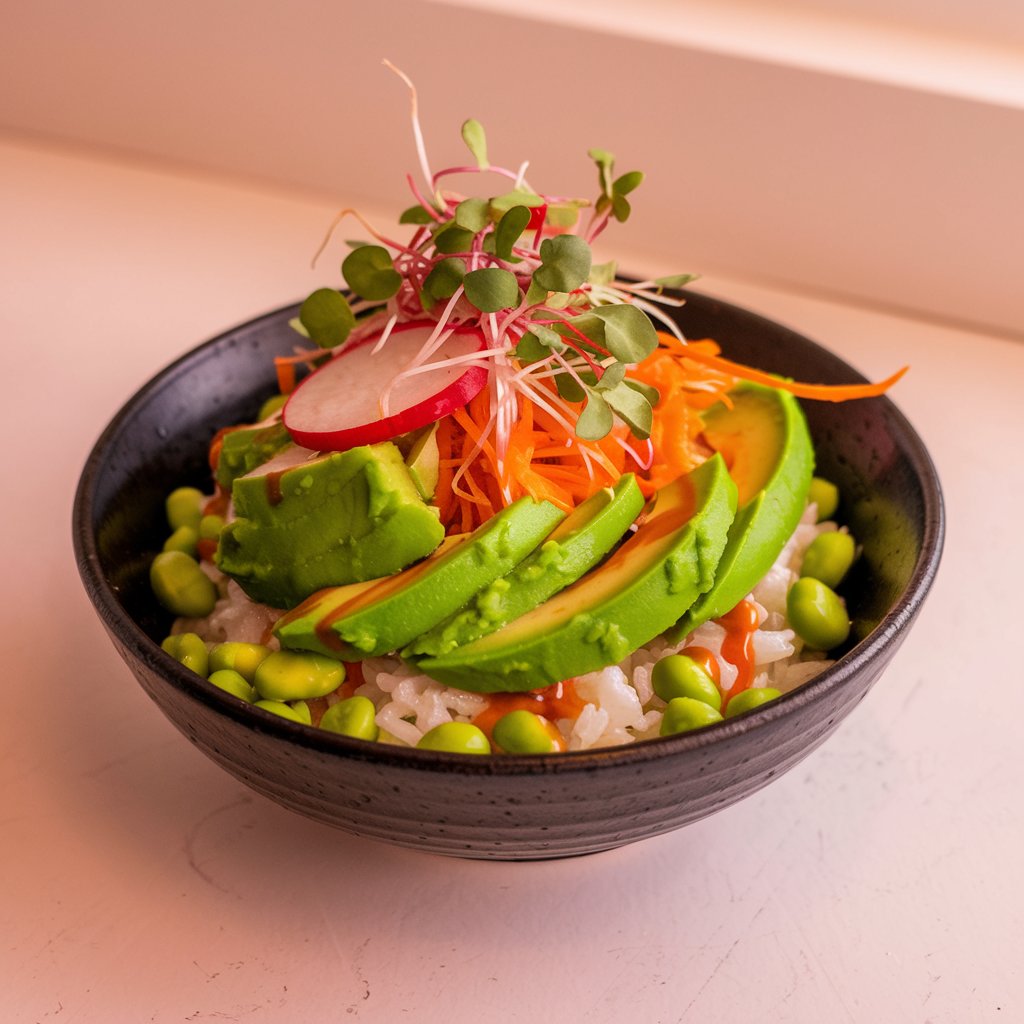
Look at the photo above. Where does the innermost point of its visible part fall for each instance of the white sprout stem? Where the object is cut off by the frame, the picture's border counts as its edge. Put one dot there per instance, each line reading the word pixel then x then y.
pixel 643 463
pixel 481 358
pixel 384 335
pixel 421 149
pixel 351 212
pixel 656 314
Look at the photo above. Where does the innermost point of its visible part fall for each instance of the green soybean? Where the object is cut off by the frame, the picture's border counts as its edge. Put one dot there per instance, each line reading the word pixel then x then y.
pixel 684 714
pixel 291 675
pixel 181 586
pixel 456 738
pixel 523 732
pixel 678 675
pixel 233 682
pixel 210 527
pixel 825 495
pixel 817 614
pixel 354 716
pixel 828 558
pixel 184 538
pixel 240 657
pixel 184 507
pixel 298 712
pixel 270 406
pixel 746 700
pixel 190 650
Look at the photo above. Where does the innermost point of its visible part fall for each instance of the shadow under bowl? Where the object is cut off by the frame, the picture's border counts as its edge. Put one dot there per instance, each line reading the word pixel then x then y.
pixel 502 807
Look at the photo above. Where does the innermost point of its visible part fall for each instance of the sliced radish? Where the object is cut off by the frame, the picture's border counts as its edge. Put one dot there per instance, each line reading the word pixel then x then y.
pixel 338 406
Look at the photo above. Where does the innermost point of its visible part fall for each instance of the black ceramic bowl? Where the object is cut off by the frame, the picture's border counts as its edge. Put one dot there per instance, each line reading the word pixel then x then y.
pixel 503 807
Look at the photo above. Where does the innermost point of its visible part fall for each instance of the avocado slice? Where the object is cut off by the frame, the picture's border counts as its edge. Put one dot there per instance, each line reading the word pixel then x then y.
pixel 766 445
pixel 575 546
pixel 242 449
pixel 646 585
pixel 424 462
pixel 397 610
pixel 306 521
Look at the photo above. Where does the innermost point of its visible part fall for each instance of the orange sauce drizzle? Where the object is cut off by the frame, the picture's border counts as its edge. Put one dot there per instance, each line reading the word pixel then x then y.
pixel 707 661
pixel 551 703
pixel 738 646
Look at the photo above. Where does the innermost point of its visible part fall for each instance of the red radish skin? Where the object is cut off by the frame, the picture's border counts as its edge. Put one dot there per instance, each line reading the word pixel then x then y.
pixel 338 406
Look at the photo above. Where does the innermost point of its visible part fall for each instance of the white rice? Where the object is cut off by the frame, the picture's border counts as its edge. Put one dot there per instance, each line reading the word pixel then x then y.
pixel 620 705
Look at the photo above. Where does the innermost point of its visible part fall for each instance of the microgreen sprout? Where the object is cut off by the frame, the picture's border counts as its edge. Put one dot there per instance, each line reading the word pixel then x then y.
pixel 517 265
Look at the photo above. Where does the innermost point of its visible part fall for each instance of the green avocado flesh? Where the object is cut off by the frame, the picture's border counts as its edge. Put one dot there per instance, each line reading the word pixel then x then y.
pixel 242 450
pixel 397 610
pixel 590 531
pixel 306 521
pixel 641 590
pixel 767 447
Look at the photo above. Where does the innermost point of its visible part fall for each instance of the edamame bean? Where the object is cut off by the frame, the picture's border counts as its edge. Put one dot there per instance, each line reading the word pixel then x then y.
pixel 828 558
pixel 294 675
pixel 456 738
pixel 684 714
pixel 354 716
pixel 746 700
pixel 678 675
pixel 184 507
pixel 297 712
pixel 235 683
pixel 523 732
pixel 240 657
pixel 817 614
pixel 190 650
pixel 825 495
pixel 210 527
pixel 184 538
pixel 181 586
pixel 270 406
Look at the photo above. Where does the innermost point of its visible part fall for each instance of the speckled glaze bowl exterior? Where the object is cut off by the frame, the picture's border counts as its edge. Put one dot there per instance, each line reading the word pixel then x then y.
pixel 508 808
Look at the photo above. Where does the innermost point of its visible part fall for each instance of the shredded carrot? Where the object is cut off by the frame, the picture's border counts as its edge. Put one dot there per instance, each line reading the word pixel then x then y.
pixel 285 375
pixel 818 392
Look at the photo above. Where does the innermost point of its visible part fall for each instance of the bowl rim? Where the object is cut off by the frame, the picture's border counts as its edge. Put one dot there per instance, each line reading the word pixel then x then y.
pixel 120 624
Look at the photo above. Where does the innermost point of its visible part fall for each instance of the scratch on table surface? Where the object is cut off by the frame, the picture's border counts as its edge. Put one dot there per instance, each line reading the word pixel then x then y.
pixel 355 961
pixel 722 962
pixel 192 836
pixel 910 697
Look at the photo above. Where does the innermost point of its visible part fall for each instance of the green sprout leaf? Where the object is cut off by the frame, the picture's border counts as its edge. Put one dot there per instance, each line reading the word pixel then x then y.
pixel 565 263
pixel 612 376
pixel 621 208
pixel 491 289
pixel 530 350
pixel 564 216
pixel 675 280
pixel 569 388
pixel 509 230
pixel 473 214
pixel 451 238
pixel 475 139
pixel 444 278
pixel 651 393
pixel 625 183
pixel 415 215
pixel 625 331
pixel 519 197
pixel 370 273
pixel 326 317
pixel 603 273
pixel 595 421
pixel 632 408
pixel 605 164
